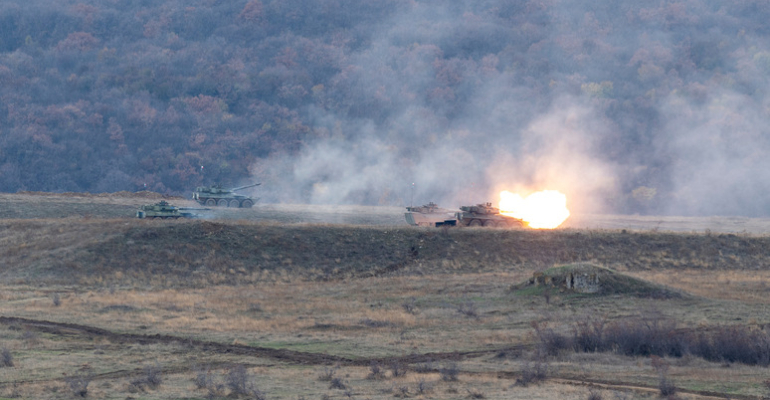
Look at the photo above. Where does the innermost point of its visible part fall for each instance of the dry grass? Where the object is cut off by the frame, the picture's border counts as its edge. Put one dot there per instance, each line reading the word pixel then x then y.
pixel 340 290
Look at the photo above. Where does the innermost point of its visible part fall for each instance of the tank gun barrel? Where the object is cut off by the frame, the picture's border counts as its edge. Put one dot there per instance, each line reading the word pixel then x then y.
pixel 244 187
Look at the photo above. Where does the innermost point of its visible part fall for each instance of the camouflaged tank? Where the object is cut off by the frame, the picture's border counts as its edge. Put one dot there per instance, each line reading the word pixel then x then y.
pixel 486 215
pixel 164 210
pixel 216 196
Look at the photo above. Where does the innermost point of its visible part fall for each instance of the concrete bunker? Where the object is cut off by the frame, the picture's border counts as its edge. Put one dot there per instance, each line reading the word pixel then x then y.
pixel 578 279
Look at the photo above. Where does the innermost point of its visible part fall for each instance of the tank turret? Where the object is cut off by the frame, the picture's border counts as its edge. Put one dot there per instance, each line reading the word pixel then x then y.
pixel 217 196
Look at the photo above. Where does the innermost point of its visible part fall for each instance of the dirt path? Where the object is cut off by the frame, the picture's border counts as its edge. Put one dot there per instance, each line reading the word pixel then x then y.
pixel 304 358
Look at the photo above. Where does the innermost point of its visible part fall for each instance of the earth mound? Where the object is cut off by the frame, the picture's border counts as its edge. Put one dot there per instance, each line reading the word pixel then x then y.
pixel 595 280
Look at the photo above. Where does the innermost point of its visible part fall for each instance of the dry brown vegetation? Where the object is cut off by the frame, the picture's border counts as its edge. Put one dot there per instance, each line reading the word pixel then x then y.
pixel 106 307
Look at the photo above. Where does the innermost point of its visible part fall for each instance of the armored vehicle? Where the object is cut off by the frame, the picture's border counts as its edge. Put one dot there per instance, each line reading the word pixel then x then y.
pixel 429 215
pixel 217 196
pixel 486 215
pixel 165 210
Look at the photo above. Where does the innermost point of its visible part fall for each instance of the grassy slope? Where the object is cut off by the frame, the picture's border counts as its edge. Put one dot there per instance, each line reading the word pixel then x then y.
pixel 354 291
pixel 201 252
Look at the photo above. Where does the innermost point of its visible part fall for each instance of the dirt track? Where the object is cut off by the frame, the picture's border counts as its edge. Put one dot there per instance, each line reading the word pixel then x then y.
pixel 305 358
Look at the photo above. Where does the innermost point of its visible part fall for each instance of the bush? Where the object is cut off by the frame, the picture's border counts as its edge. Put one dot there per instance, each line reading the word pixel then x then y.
pixel 551 342
pixel 423 387
pixel 655 336
pixel 645 337
pixel 376 371
pixel 336 383
pixel 468 309
pixel 150 379
pixel 472 394
pixel 203 378
pixel 666 386
pixel 410 306
pixel 735 344
pixel 588 335
pixel 240 383
pixel 449 373
pixel 532 373
pixel 328 374
pixel 79 385
pixel 6 358
pixel 397 369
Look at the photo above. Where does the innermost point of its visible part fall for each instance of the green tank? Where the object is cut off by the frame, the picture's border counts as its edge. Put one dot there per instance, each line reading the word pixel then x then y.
pixel 164 210
pixel 486 215
pixel 216 196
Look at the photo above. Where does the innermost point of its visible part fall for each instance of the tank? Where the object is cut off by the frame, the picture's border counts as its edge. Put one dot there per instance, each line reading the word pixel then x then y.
pixel 216 196
pixel 165 210
pixel 486 215
pixel 429 215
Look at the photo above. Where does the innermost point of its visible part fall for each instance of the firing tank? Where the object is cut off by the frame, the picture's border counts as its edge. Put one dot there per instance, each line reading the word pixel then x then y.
pixel 429 215
pixel 164 210
pixel 212 196
pixel 486 215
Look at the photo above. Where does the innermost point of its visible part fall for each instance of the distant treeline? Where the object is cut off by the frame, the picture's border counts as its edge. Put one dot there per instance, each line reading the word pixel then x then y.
pixel 116 95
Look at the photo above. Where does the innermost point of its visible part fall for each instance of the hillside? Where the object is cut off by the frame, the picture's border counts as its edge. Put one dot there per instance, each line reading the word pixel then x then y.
pixel 656 108
pixel 308 301
pixel 200 253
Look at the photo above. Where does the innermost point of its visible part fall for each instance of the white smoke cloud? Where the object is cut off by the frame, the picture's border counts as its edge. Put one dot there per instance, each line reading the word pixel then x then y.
pixel 719 153
pixel 702 153
pixel 499 139
pixel 559 152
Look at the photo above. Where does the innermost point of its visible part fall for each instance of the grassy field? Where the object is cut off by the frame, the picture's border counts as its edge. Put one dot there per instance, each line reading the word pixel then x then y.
pixel 308 302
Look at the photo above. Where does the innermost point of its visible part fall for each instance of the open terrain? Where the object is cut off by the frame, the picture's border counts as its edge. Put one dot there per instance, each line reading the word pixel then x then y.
pixel 312 302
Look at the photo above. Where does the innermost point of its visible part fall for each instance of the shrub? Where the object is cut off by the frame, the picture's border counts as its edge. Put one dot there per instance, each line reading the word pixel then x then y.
pixel 376 324
pixel 423 387
pixel 376 371
pixel 449 373
pixel 151 378
pixel 472 394
pixel 397 369
pixel 588 335
pixel 551 342
pixel 56 300
pixel 410 306
pixel 32 338
pixel 645 337
pixel 152 375
pixel 424 368
pixel 240 383
pixel 666 386
pixel 203 378
pixel 736 344
pixel 532 373
pixel 79 385
pixel 6 358
pixel 336 383
pixel 594 394
pixel 468 309
pixel 328 374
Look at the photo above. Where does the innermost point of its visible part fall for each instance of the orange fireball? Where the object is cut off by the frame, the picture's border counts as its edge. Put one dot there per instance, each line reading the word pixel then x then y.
pixel 546 209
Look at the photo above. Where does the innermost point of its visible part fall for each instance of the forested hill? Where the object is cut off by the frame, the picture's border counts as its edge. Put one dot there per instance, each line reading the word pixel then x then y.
pixel 631 106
